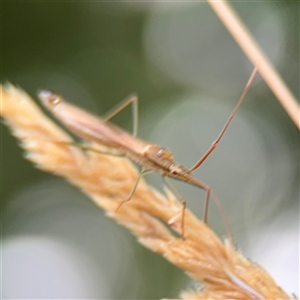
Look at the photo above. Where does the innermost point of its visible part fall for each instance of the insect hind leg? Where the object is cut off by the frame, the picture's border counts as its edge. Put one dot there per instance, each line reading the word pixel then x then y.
pixel 132 99
pixel 90 148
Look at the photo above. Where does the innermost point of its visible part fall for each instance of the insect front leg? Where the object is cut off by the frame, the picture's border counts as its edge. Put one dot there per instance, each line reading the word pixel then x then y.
pixel 210 192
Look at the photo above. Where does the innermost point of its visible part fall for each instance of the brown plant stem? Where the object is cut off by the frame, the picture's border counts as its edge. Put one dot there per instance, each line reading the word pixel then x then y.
pixel 242 36
pixel 107 180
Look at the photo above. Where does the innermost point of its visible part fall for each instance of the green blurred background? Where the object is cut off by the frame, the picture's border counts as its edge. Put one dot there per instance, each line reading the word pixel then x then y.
pixel 188 73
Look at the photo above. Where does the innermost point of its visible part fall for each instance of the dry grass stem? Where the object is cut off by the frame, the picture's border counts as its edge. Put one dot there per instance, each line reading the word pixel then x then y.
pixel 257 57
pixel 107 180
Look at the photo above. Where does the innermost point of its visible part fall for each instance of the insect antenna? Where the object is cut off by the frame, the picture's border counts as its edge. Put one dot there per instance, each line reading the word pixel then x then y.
pixel 216 142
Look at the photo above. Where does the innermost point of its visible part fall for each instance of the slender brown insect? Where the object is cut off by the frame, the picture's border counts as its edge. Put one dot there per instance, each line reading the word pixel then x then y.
pixel 151 157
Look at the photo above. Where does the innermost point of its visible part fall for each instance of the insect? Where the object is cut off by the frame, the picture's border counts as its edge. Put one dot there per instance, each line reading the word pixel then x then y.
pixel 151 157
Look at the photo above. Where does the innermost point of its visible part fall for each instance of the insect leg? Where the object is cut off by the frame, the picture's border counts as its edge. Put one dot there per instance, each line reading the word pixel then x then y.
pixel 90 148
pixel 216 142
pixel 182 201
pixel 132 99
pixel 210 192
pixel 141 174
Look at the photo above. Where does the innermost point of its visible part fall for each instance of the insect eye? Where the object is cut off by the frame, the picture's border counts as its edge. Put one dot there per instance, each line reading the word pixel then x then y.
pixel 176 169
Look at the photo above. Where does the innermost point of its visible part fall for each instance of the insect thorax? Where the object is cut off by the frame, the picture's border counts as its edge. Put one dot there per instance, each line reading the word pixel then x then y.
pixel 164 159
